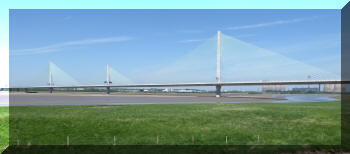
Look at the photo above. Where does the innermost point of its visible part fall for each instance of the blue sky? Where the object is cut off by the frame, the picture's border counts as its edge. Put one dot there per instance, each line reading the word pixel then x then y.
pixel 137 43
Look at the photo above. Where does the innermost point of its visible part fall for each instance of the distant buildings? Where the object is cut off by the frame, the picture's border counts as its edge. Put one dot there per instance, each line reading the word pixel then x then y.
pixel 269 88
pixel 186 90
pixel 170 90
pixel 332 88
pixel 181 90
pixel 75 89
pixel 167 90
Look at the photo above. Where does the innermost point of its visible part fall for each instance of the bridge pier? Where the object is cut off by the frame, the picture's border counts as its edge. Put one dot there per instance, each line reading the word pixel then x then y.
pixel 108 90
pixel 319 87
pixel 50 90
pixel 218 91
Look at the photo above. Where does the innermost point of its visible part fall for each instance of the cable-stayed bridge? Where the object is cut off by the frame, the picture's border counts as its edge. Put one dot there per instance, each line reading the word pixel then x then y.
pixel 218 84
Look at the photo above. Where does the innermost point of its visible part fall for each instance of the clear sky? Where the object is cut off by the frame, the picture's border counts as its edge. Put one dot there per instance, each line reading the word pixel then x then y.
pixel 139 43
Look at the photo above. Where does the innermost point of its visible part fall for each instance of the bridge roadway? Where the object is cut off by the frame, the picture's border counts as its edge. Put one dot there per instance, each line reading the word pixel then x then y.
pixel 216 84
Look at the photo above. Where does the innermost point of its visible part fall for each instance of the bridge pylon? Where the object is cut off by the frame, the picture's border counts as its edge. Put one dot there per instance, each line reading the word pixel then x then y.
pixel 50 78
pixel 218 65
pixel 108 80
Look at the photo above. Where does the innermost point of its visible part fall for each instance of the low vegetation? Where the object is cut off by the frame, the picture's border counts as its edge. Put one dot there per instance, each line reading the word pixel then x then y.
pixel 4 127
pixel 176 124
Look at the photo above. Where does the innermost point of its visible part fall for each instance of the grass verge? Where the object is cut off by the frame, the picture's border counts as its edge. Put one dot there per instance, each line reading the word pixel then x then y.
pixel 4 128
pixel 177 124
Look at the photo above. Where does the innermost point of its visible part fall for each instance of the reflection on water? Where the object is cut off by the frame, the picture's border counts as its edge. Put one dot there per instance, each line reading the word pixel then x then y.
pixel 307 98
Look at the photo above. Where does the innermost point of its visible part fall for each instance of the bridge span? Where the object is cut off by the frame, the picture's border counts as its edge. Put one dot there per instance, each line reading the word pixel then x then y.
pixel 217 85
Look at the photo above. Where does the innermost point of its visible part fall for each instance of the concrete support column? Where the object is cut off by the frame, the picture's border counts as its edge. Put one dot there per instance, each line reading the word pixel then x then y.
pixel 108 90
pixel 50 89
pixel 319 87
pixel 218 91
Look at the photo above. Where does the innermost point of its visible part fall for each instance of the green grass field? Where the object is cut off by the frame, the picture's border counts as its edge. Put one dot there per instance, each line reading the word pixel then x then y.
pixel 4 127
pixel 177 124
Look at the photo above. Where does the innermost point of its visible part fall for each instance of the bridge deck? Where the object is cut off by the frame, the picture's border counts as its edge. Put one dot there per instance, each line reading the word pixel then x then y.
pixel 201 84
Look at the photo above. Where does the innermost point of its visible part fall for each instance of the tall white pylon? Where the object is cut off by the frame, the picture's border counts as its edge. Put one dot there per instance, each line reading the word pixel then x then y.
pixel 218 56
pixel 50 74
pixel 50 77
pixel 218 66
pixel 108 81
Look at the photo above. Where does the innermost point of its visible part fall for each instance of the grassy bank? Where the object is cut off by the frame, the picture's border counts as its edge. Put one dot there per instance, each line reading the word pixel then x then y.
pixel 4 127
pixel 186 124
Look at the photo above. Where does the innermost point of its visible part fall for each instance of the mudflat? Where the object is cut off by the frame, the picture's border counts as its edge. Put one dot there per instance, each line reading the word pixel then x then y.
pixel 100 98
